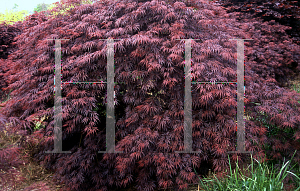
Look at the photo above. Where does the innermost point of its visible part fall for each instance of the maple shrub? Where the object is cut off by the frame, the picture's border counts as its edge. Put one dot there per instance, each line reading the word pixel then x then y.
pixel 149 88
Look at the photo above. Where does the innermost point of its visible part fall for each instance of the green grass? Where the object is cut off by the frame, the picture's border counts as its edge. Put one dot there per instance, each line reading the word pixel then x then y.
pixel 260 177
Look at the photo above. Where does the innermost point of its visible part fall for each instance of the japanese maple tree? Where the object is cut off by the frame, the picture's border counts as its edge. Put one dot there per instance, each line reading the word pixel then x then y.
pixel 149 75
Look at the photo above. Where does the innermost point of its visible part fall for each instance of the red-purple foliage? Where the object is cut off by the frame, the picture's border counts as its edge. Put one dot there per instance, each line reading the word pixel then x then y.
pixel 285 12
pixel 149 71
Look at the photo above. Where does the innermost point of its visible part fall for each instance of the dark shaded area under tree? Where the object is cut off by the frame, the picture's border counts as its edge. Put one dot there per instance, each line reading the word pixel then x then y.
pixel 285 12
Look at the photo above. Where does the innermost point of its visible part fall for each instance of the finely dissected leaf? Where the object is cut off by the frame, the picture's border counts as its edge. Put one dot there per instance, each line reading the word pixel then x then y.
pixel 149 86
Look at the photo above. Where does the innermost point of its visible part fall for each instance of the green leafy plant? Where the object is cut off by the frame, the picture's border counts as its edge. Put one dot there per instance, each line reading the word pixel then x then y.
pixel 12 16
pixel 41 7
pixel 296 88
pixel 59 8
pixel 39 123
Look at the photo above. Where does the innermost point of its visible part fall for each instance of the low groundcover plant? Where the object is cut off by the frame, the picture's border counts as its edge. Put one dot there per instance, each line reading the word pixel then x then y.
pixel 260 177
